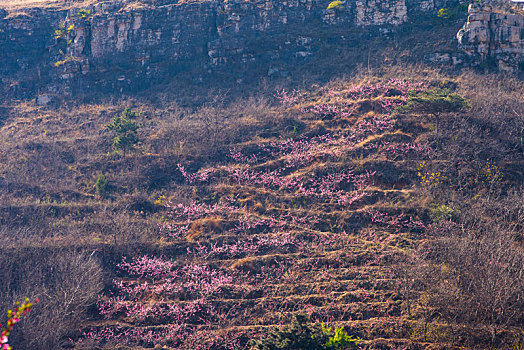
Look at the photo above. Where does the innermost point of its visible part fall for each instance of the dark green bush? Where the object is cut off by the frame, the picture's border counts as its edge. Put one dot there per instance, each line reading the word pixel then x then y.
pixel 297 336
pixel 125 127
pixel 302 336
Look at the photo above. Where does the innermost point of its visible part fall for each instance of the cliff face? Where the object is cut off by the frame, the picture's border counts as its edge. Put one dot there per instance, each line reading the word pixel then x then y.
pixel 118 45
pixel 492 36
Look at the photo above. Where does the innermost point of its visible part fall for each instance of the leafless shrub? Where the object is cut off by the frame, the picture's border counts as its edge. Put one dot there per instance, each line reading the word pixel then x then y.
pixel 483 146
pixel 209 130
pixel 473 273
pixel 67 284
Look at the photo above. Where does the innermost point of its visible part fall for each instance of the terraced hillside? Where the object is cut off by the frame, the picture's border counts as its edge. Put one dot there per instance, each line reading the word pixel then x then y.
pixel 312 216
pixel 339 202
pixel 305 219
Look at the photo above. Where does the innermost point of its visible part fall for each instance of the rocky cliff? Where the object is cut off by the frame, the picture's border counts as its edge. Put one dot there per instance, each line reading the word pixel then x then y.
pixel 123 45
pixel 490 36
pixel 116 45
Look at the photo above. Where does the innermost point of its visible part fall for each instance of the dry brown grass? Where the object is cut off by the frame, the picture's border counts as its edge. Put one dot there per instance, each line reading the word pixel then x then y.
pixel 206 226
pixel 50 4
pixel 53 156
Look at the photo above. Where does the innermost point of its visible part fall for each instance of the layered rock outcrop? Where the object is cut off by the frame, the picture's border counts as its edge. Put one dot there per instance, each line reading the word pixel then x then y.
pixel 493 37
pixel 117 45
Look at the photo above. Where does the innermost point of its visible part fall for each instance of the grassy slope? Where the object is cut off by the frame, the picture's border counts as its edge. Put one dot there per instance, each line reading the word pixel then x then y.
pixel 339 269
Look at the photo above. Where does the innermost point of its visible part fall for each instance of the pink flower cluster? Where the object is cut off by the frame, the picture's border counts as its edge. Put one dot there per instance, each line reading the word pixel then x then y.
pixel 329 111
pixel 236 155
pixel 374 125
pixel 393 87
pixel 342 187
pixel 180 216
pixel 163 280
pixel 202 176
pixel 394 93
pixel 250 246
pixel 13 317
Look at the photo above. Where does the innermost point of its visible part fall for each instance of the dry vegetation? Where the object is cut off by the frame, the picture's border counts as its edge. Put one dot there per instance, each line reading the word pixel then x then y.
pixel 62 4
pixel 401 260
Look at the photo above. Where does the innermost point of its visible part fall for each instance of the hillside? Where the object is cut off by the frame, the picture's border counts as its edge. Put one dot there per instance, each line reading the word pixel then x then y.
pixel 310 202
pixel 272 172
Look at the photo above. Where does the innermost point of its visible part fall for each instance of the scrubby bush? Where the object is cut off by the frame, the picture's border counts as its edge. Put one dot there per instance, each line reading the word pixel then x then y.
pixel 300 335
pixel 67 284
pixel 101 185
pixel 473 271
pixel 441 212
pixel 484 282
pixel 429 177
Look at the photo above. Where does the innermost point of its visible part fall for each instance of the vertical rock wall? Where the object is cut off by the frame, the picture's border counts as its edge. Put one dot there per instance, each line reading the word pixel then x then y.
pixel 491 36
pixel 116 45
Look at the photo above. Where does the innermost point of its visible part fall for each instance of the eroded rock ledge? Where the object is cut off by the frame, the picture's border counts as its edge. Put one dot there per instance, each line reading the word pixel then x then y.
pixel 493 37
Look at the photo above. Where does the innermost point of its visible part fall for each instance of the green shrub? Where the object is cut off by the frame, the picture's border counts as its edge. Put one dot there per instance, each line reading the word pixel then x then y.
pixel 125 127
pixel 444 13
pixel 454 12
pixel 83 13
pixel 65 60
pixel 101 185
pixel 339 339
pixel 434 101
pixel 59 33
pixel 300 336
pixel 441 212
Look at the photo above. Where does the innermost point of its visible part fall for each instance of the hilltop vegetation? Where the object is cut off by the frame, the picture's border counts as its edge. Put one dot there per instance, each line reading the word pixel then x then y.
pixel 389 203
